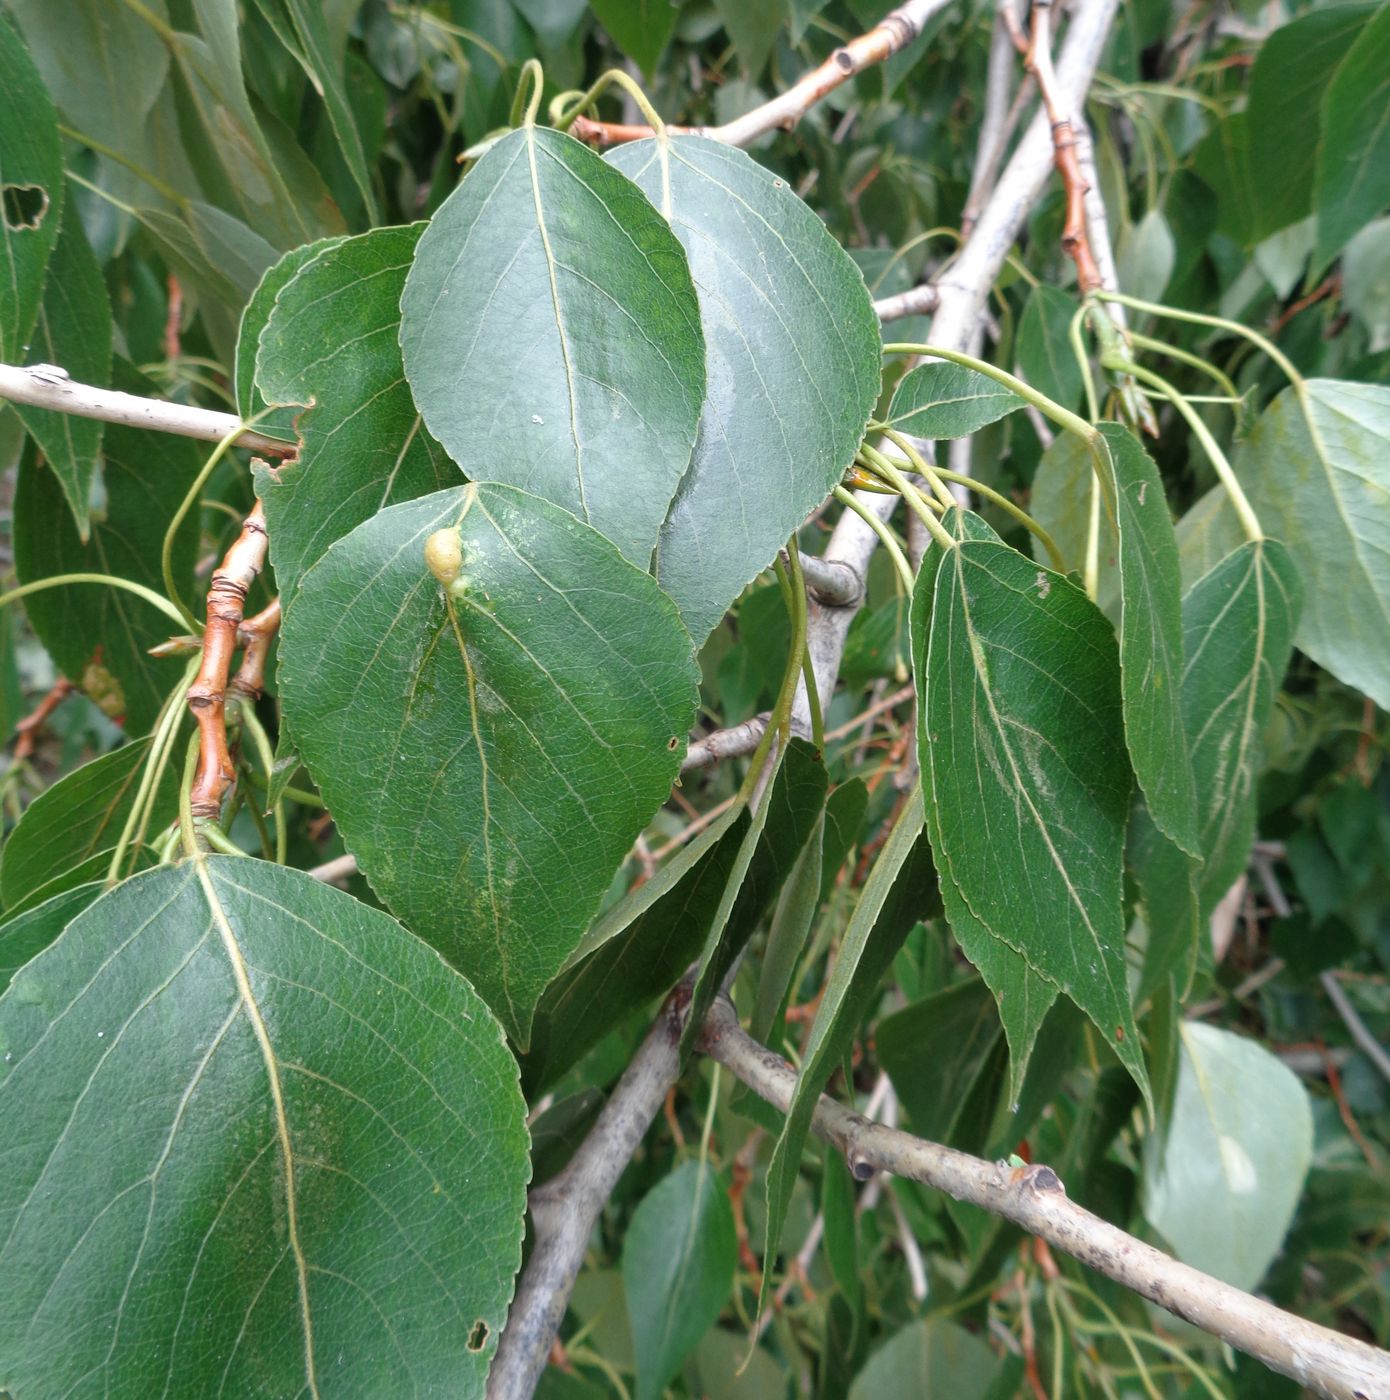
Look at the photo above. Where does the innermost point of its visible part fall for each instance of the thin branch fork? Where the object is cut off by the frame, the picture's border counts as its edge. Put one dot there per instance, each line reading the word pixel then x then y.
pixel 26 731
pixel 893 33
pixel 207 698
pixel 1033 1197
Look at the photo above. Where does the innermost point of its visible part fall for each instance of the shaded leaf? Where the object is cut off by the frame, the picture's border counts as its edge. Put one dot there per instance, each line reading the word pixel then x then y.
pixel 1145 256
pixel 1207 533
pixel 678 1268
pixel 362 444
pixel 73 330
pixel 787 933
pixel 313 1188
pixel 1352 183
pixel 1151 645
pixel 552 337
pixel 100 636
pixel 31 192
pixel 1223 1178
pixel 1292 69
pixel 80 818
pixel 753 29
pixel 1318 474
pixel 640 28
pixel 931 1357
pixel 944 400
pixel 1024 757
pixel 901 890
pixel 278 423
pixel 489 760
pixel 27 934
pixel 792 350
pixel 1044 345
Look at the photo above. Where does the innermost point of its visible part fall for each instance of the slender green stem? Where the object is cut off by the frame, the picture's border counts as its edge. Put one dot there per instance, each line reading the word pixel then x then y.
pixel 1083 361
pixel 253 726
pixel 1011 508
pixel 1090 576
pixel 1063 417
pixel 885 535
pixel 797 596
pixel 915 502
pixel 872 458
pixel 926 470
pixel 616 77
pixel 1197 318
pixel 1250 522
pixel 527 101
pixel 808 671
pixel 218 839
pixel 1162 347
pixel 166 553
pixel 708 1127
pixel 161 747
pixel 129 585
pixel 188 832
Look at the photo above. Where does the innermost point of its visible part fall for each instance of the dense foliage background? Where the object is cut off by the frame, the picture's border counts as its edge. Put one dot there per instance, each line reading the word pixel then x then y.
pixel 1244 157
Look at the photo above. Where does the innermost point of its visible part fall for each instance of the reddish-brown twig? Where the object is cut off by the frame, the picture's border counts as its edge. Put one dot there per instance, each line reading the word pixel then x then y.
pixel 26 731
pixel 893 33
pixel 1038 62
pixel 255 635
pixel 208 697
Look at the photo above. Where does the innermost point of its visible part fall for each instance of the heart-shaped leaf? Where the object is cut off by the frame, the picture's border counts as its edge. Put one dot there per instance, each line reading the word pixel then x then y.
pixel 491 754
pixel 793 363
pixel 552 336
pixel 943 400
pixel 1024 760
pixel 362 445
pixel 258 1138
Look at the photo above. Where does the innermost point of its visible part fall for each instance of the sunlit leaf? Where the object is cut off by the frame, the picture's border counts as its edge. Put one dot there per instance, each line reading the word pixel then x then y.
pixel 943 400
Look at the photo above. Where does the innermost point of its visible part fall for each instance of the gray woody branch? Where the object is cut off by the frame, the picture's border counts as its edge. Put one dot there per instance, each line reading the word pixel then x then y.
pixel 1329 1364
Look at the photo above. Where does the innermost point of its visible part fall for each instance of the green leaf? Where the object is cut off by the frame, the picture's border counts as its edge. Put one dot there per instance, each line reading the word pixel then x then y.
pixel 362 444
pixel 1292 70
pixel 1024 758
pixel 1238 630
pixel 659 934
pixel 1169 904
pixel 1222 1181
pixel 678 1270
pixel 1366 282
pixel 930 1357
pixel 96 635
pixel 1023 997
pixel 841 1227
pixel 792 346
pixel 27 934
pixel 640 28
pixel 322 60
pixel 900 891
pixel 1044 345
pixel 1352 184
pixel 73 330
pixel 489 760
pixel 1061 504
pixel 552 336
pixel 262 1138
pixel 31 192
pixel 1222 159
pixel 1318 474
pixel 278 423
pixel 80 817
pixel 788 931
pixel 1145 255
pixel 1151 645
pixel 753 29
pixel 1207 533
pixel 944 400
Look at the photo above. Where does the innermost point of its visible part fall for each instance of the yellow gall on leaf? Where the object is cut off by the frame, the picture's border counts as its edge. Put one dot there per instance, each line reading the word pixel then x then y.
pixel 444 555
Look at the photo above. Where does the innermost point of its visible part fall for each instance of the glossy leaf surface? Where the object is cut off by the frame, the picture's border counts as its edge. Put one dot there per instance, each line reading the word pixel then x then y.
pixel 792 348
pixel 552 337
pixel 362 444
pixel 1221 1183
pixel 1319 476
pixel 320 1155
pixel 489 764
